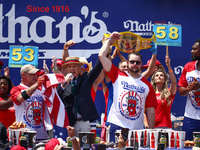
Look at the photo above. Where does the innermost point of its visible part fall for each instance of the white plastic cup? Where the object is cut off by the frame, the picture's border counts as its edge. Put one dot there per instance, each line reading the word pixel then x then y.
pixel 131 141
pixel 17 134
pixel 171 139
pixel 139 133
pixel 156 133
pixel 145 138
pixel 154 139
pixel 148 136
pixel 180 139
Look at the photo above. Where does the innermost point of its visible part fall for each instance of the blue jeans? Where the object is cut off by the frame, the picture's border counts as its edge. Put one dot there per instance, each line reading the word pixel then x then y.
pixel 112 131
pixel 190 126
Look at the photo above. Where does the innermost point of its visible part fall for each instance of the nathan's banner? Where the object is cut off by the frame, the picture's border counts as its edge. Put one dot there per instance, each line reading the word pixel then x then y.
pixel 131 42
pixel 169 35
pixel 21 55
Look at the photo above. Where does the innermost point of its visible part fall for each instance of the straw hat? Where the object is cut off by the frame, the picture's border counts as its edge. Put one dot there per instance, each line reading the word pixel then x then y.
pixel 72 60
pixel 83 60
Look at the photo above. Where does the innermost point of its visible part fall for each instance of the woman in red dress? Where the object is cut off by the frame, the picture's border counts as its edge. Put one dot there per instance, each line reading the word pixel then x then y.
pixel 7 111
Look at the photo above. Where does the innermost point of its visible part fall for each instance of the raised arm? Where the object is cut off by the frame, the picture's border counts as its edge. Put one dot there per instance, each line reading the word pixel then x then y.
pixel 173 86
pixel 71 134
pixel 45 67
pixel 31 90
pixel 117 52
pixel 54 67
pixel 7 74
pixel 106 63
pixel 152 65
pixel 98 80
pixel 65 52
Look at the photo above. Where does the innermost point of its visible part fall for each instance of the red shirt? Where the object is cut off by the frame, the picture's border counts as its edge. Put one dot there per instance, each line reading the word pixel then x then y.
pixel 162 112
pixel 93 94
pixel 7 117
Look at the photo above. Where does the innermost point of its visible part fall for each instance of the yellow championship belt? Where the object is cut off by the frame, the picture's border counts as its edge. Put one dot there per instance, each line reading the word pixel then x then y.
pixel 131 42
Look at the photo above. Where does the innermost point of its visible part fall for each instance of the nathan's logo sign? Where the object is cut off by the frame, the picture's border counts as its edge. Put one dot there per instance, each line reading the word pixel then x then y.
pixel 139 28
pixel 29 28
pixel 142 28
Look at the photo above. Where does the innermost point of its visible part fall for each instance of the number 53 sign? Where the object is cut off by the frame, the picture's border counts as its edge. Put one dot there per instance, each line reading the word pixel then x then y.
pixel 170 35
pixel 21 55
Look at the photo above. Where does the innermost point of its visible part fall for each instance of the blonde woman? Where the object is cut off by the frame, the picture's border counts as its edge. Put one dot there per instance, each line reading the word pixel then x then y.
pixel 165 95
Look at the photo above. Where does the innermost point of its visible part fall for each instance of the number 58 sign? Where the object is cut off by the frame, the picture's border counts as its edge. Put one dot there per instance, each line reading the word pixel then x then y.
pixel 170 35
pixel 21 55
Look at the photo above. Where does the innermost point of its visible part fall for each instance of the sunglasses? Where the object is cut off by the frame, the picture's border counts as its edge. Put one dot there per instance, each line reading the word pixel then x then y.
pixel 133 62
pixel 84 66
pixel 108 54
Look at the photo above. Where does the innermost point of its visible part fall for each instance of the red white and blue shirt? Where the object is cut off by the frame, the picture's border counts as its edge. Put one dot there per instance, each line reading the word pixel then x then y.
pixel 130 98
pixel 31 111
pixel 192 108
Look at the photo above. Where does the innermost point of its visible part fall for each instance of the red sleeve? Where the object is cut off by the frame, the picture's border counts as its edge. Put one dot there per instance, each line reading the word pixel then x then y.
pixel 93 93
pixel 151 98
pixel 172 97
pixel 187 68
pixel 114 72
pixel 15 91
pixel 183 81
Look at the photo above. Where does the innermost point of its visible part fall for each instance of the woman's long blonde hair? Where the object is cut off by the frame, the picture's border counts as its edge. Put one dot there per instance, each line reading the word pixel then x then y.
pixel 165 93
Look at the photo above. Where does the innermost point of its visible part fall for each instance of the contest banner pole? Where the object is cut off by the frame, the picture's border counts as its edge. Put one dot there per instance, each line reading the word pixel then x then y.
pixel 167 51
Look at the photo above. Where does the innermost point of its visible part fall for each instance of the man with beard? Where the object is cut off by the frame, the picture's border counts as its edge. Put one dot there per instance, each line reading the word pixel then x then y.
pixel 132 92
pixel 189 85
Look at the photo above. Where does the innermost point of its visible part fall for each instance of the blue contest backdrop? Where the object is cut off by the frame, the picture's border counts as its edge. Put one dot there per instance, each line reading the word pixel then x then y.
pixel 85 22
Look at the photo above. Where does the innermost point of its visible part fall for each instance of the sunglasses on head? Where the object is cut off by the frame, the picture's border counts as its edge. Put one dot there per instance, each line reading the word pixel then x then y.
pixel 133 62
pixel 84 66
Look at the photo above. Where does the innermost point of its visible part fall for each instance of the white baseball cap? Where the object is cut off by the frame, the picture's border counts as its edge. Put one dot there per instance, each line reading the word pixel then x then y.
pixel 28 69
